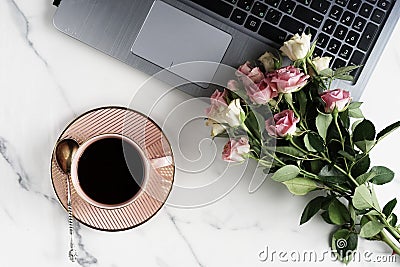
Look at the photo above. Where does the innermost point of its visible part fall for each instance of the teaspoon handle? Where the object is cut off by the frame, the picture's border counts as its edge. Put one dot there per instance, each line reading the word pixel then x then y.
pixel 72 252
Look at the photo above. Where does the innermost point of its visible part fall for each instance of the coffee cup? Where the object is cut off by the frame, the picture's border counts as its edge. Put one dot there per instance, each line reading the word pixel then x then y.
pixel 110 170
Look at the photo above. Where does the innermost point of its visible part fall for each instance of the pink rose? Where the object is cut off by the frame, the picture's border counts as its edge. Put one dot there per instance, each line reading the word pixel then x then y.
pixel 282 124
pixel 261 93
pixel 235 150
pixel 246 70
pixel 337 98
pixel 287 80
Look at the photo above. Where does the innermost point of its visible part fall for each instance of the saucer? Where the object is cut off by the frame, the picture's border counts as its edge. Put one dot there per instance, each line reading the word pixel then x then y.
pixel 144 132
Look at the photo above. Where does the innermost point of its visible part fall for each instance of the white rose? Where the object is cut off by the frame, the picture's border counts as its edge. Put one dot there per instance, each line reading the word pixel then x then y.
pixel 321 63
pixel 231 114
pixel 267 59
pixel 297 47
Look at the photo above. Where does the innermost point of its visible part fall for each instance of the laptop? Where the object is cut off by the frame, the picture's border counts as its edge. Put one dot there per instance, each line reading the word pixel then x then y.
pixel 157 35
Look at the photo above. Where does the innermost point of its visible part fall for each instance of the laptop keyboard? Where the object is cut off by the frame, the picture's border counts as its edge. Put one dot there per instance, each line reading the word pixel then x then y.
pixel 345 30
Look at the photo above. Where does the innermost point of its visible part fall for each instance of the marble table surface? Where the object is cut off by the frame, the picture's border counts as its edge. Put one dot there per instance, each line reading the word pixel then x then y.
pixel 47 79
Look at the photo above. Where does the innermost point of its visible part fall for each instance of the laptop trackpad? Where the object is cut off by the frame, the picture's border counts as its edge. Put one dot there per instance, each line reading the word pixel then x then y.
pixel 170 37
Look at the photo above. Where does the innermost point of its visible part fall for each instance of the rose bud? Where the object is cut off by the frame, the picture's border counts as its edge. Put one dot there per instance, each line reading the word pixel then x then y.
pixel 268 60
pixel 336 99
pixel 297 47
pixel 321 63
pixel 282 124
pixel 235 150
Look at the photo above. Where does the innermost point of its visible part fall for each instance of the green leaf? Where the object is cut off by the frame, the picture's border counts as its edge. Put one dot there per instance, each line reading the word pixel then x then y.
pixel 383 175
pixel 314 142
pixel 301 186
pixel 311 209
pixel 338 213
pixel 286 173
pixel 342 243
pixel 385 132
pixel 356 113
pixel 365 145
pixel 392 219
pixel 345 70
pixel 290 151
pixel 362 198
pixel 346 155
pixel 389 207
pixel 322 122
pixel 371 229
pixel 326 72
pixel 361 166
pixel 365 130
pixel 344 77
pixel 363 178
pixel 330 175
pixel 354 105
pixel 375 201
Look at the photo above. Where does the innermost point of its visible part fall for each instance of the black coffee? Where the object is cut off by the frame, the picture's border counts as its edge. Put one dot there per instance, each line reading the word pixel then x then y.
pixel 111 171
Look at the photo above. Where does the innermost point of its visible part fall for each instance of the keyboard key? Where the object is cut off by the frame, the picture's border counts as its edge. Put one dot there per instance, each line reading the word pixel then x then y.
pixel 308 16
pixel 231 1
pixel 340 32
pixel 252 23
pixel 377 16
pixel 317 52
pixel 259 9
pixel 311 31
pixel 329 26
pixel 292 25
pixel 342 3
pixel 326 54
pixel 333 46
pixel 357 58
pixel 274 3
pixel 372 1
pixel 359 24
pixel 336 12
pixel 287 6
pixel 245 4
pixel 352 38
pixel 217 6
pixel 347 18
pixel 305 2
pixel 339 63
pixel 321 6
pixel 354 5
pixel 238 16
pixel 384 4
pixel 322 40
pixel 273 16
pixel 366 10
pixel 345 52
pixel 272 33
pixel 368 36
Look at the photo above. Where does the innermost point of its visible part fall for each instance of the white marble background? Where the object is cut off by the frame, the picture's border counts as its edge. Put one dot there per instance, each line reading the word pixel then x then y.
pixel 47 79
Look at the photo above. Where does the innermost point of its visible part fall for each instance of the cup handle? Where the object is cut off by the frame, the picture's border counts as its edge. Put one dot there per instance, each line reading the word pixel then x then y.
pixel 161 162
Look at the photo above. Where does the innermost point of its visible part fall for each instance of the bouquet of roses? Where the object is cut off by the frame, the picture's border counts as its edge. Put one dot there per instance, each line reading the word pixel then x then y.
pixel 309 137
